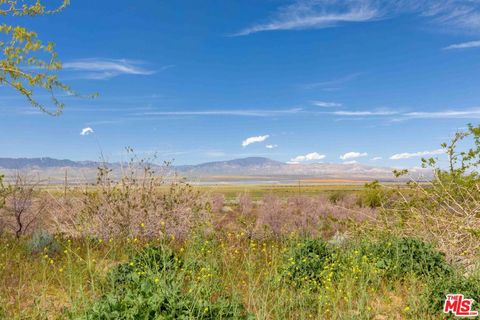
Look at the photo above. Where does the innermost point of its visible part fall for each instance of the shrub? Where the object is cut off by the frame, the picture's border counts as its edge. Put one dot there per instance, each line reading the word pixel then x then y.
pixel 43 241
pixel 313 261
pixel 336 196
pixel 245 203
pixel 438 288
pixel 154 285
pixel 217 201
pixel 443 209
pixel 272 218
pixel 150 259
pixel 20 210
pixel 373 195
pixel 398 257
pixel 142 203
pixel 307 260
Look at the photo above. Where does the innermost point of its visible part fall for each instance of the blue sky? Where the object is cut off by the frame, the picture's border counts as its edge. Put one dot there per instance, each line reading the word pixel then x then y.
pixel 332 81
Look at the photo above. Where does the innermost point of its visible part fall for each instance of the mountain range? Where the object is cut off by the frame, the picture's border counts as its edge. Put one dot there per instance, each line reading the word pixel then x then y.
pixel 246 169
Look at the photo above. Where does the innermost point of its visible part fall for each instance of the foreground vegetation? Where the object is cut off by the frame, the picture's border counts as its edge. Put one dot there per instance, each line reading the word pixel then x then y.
pixel 144 248
pixel 226 277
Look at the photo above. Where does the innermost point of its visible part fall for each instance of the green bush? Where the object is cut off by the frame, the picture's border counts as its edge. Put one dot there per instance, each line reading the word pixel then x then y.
pixel 307 260
pixel 154 285
pixel 398 257
pixel 337 196
pixel 373 195
pixel 438 288
pixel 42 241
pixel 394 258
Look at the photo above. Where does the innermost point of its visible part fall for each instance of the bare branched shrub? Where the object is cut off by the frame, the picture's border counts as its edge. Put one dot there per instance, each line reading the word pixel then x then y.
pixel 141 203
pixel 272 218
pixel 3 196
pixel 445 210
pixel 245 203
pixel 307 215
pixel 217 201
pixel 21 207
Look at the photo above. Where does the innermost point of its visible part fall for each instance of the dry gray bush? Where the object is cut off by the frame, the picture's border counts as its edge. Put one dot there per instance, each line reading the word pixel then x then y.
pixel 272 218
pixel 445 210
pixel 217 201
pixel 142 203
pixel 21 207
pixel 444 213
pixel 245 203
pixel 306 215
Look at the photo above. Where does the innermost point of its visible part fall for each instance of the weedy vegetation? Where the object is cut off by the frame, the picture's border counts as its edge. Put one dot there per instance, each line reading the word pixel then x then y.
pixel 150 246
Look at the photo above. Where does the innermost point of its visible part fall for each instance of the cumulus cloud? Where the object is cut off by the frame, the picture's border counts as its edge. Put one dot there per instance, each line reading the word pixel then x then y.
pixel 256 139
pixel 407 155
pixel 308 157
pixel 86 131
pixel 102 69
pixel 325 104
pixel 376 158
pixel 350 162
pixel 353 155
pixel 271 146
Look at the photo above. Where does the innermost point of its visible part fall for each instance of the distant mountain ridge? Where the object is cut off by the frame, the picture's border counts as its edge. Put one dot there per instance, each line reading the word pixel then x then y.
pixel 46 162
pixel 229 166
pixel 253 168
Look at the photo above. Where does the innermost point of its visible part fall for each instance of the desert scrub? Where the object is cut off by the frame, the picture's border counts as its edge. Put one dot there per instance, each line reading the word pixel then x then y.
pixel 158 284
pixel 438 288
pixel 398 257
pixel 373 195
pixel 315 263
pixel 445 209
pixel 42 241
pixel 142 203
pixel 306 261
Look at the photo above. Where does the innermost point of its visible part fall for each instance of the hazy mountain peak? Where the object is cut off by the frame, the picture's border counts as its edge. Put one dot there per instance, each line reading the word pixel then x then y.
pixel 245 162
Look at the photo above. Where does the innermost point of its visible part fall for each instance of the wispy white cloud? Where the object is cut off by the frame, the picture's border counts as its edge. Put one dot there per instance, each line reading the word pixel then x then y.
pixel 332 84
pixel 463 15
pixel 242 113
pixel 325 104
pixel 464 45
pixel 350 162
pixel 365 113
pixel 407 155
pixel 256 139
pixel 313 15
pixel 449 114
pixel 86 131
pixel 471 113
pixel 101 69
pixel 215 154
pixel 353 155
pixel 308 157
pixel 376 158
pixel 271 146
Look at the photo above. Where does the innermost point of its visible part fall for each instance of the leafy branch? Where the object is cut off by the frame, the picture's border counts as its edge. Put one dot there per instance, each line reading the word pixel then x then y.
pixel 28 63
